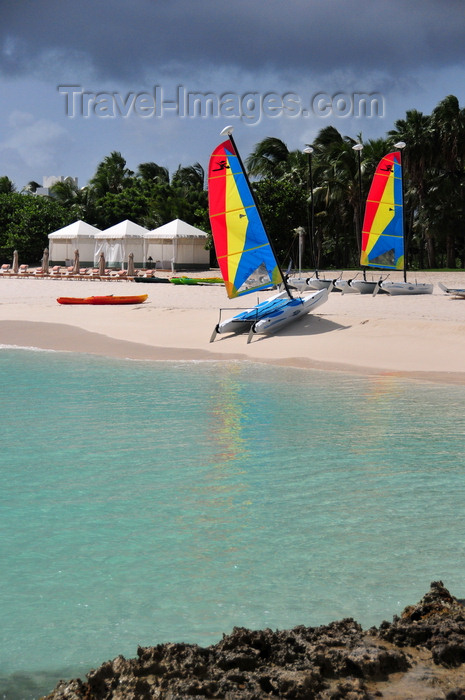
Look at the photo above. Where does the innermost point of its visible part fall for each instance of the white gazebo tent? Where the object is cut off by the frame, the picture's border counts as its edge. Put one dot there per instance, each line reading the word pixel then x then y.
pixel 76 236
pixel 118 241
pixel 178 246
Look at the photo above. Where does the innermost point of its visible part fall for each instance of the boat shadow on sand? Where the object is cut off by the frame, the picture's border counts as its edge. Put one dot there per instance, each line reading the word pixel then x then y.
pixel 308 325
pixel 311 325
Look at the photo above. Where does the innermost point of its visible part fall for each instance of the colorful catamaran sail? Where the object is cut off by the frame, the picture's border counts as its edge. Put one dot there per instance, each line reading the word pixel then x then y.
pixel 244 253
pixel 383 232
pixel 383 224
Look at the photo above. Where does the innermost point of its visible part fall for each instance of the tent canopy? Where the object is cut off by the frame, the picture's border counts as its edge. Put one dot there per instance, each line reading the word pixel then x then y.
pixel 118 241
pixel 76 236
pixel 177 229
pixel 178 245
pixel 125 229
pixel 78 228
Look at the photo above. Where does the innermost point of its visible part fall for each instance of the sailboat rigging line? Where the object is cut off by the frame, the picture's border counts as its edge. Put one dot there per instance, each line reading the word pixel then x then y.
pixel 286 286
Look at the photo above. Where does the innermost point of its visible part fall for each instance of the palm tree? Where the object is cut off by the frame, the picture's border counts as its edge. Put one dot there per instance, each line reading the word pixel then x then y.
pixel 448 123
pixel 66 192
pixel 417 133
pixel 448 126
pixel 79 201
pixel 111 175
pixel 191 177
pixel 189 195
pixel 336 193
pixel 31 187
pixel 152 172
pixel 373 151
pixel 337 197
pixel 268 159
pixel 6 185
pixel 272 158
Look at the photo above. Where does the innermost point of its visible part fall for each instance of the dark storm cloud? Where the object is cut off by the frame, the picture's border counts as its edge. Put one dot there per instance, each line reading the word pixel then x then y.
pixel 121 39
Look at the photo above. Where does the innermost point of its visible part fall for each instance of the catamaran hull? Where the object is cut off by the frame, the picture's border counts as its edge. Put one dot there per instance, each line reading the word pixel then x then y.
pixel 364 286
pixel 367 287
pixel 457 293
pixel 346 287
pixel 243 321
pixel 291 311
pixel 397 288
pixel 299 283
pixel 303 284
pixel 318 283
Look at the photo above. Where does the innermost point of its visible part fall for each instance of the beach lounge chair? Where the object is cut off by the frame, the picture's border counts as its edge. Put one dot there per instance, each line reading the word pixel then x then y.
pixel 23 269
pixel 5 269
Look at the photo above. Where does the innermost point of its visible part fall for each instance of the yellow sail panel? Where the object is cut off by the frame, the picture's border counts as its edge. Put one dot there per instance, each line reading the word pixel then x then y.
pixel 236 225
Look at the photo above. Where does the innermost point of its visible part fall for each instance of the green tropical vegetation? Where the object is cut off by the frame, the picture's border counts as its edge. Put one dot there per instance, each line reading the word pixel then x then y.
pixel 323 192
pixel 25 222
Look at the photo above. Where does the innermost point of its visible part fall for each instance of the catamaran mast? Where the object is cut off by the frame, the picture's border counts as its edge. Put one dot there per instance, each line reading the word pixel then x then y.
pixel 227 131
pixel 358 147
pixel 401 145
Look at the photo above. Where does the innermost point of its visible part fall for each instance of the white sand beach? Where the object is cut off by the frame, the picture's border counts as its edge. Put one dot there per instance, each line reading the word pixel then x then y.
pixel 422 337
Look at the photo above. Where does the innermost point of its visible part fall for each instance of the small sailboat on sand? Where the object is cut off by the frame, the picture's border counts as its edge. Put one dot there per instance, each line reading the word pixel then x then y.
pixel 456 293
pixel 244 252
pixel 383 231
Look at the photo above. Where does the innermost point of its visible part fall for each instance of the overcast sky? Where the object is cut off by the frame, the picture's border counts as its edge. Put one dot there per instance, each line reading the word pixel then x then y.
pixel 81 79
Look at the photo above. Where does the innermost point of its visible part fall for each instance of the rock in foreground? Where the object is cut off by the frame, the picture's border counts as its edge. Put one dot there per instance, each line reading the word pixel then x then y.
pixel 418 655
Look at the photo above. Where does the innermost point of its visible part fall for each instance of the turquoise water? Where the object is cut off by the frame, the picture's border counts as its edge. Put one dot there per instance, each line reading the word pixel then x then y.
pixel 151 502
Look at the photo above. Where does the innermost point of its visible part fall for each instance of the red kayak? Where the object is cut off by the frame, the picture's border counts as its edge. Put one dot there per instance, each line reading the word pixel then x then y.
pixel 109 299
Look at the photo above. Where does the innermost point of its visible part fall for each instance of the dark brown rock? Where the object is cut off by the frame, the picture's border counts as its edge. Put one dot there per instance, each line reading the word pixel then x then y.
pixel 437 622
pixel 419 655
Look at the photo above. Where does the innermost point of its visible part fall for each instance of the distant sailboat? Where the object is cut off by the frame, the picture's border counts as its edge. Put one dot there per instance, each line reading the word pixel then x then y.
pixel 383 231
pixel 244 252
